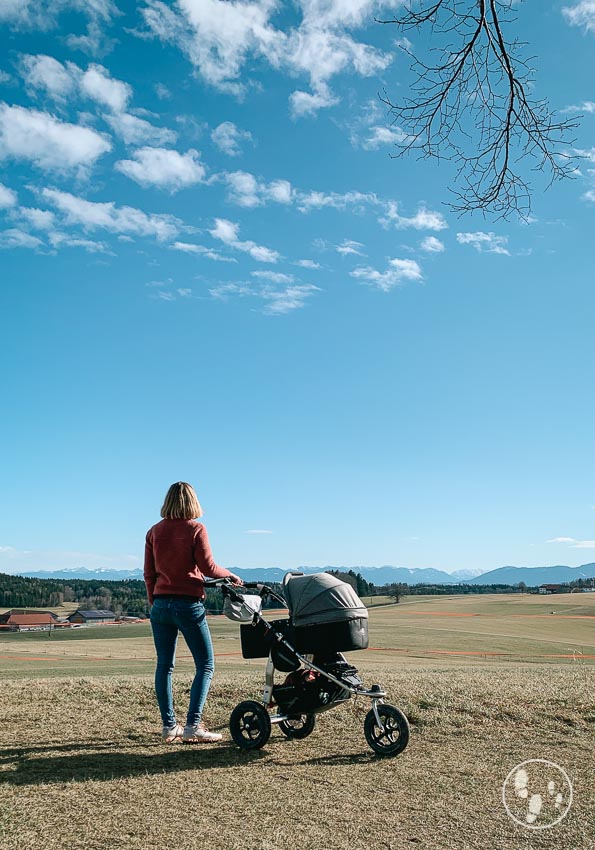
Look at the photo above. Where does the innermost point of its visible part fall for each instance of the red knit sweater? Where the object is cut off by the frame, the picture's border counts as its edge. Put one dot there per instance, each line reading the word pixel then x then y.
pixel 177 556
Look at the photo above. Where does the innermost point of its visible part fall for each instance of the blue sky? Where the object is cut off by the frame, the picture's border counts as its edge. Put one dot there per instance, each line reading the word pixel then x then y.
pixel 213 271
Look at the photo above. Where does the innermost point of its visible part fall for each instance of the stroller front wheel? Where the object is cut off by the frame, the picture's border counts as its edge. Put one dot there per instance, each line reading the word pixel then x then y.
pixel 392 737
pixel 298 727
pixel 250 725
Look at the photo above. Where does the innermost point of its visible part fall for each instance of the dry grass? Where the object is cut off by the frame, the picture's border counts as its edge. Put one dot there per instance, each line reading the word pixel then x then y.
pixel 82 765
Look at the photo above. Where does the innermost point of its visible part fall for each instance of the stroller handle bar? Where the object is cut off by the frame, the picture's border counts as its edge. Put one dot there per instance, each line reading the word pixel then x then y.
pixel 234 590
pixel 226 581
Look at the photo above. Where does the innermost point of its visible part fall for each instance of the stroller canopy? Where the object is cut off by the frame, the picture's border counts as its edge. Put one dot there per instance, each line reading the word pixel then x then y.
pixel 321 598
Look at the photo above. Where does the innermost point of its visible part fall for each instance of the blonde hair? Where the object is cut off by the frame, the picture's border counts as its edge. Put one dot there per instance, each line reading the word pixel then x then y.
pixel 181 502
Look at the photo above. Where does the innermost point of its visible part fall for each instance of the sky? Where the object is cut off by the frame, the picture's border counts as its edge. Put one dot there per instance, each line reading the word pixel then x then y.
pixel 213 270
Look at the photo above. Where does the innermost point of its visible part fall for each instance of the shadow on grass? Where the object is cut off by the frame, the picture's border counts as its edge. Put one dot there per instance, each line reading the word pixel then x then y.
pixel 344 758
pixel 69 764
pixel 100 761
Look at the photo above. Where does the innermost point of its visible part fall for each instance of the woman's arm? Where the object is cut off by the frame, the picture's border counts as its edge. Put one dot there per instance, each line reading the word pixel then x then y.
pixel 150 572
pixel 203 557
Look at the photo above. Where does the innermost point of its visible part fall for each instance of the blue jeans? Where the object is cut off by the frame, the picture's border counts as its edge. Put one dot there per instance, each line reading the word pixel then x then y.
pixel 168 617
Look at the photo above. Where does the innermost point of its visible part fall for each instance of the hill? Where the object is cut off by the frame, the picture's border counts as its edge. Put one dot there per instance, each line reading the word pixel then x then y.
pixel 533 576
pixel 380 576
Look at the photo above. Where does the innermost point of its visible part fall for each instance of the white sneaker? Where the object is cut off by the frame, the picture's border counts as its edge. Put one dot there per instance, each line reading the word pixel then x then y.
pixel 171 733
pixel 199 735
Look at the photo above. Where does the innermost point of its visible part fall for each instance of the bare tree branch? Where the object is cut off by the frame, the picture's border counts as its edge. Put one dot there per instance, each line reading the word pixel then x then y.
pixel 473 105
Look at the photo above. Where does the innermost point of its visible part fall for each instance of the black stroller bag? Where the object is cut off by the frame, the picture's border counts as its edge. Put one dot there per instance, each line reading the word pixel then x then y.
pixel 257 641
pixel 256 638
pixel 332 637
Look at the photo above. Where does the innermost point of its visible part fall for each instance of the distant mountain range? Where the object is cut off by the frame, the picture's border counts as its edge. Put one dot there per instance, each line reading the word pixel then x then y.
pixel 532 576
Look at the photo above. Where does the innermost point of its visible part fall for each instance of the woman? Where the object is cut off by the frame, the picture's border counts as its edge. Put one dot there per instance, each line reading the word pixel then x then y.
pixel 177 556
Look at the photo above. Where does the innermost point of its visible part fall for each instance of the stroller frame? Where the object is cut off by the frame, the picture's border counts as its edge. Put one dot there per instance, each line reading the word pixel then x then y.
pixel 386 728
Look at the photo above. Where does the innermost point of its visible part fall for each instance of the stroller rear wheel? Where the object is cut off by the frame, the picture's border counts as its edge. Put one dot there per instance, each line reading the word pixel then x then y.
pixel 250 725
pixel 299 726
pixel 392 737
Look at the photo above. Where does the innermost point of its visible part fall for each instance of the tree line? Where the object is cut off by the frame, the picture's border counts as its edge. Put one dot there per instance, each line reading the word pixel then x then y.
pixel 121 597
pixel 129 597
pixel 124 598
pixel 396 590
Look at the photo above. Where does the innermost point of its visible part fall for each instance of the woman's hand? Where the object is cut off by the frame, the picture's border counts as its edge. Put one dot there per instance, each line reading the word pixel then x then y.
pixel 235 579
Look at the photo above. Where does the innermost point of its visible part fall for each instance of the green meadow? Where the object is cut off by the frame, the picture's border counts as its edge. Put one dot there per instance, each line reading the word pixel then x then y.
pixel 473 629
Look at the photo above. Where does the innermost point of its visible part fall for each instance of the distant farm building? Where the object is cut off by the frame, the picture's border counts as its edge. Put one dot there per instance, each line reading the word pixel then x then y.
pixel 15 621
pixel 554 588
pixel 92 618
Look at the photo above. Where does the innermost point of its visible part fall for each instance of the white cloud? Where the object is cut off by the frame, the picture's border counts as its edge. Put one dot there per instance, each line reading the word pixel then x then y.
pixel 349 246
pixel 61 81
pixel 65 240
pixel 321 48
pixel 229 138
pixel 588 155
pixel 43 14
pixel 137 131
pixel 281 301
pixel 36 218
pixel 308 264
pixel 163 168
pixel 162 92
pixel 335 200
pixel 192 248
pixel 8 197
pixel 47 142
pixel 432 245
pixel 280 292
pixel 245 190
pixel 485 242
pixel 581 14
pixel 574 543
pixel 97 84
pixel 587 106
pixel 16 238
pixel 46 73
pixel 424 219
pixel 273 277
pixel 380 136
pixel 304 103
pixel 220 36
pixel 227 232
pixel 280 191
pixel 107 216
pixel 223 291
pixel 277 301
pixel 359 202
pixel 397 273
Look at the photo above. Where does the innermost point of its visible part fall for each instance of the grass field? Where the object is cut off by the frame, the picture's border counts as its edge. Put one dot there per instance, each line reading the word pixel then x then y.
pixel 82 764
pixel 455 629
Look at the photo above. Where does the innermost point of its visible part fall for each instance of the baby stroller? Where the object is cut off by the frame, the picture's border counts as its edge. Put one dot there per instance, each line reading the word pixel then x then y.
pixel 326 618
